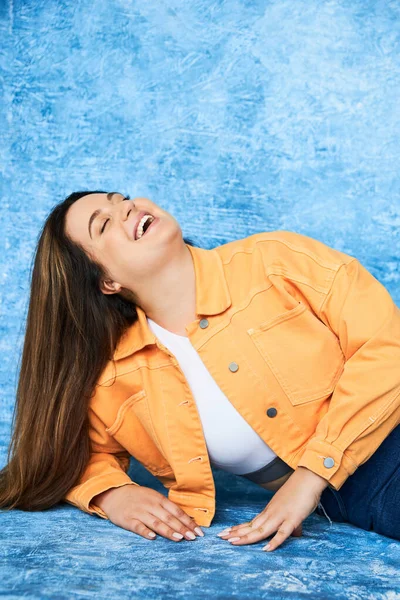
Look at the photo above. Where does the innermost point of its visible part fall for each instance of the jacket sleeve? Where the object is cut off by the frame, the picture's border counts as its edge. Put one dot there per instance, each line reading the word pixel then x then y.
pixel 107 468
pixel 365 405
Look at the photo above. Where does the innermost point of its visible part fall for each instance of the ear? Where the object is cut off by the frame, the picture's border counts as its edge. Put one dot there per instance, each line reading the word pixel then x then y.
pixel 110 287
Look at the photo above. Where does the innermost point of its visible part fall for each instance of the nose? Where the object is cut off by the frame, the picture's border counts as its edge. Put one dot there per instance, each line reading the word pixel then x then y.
pixel 126 210
pixel 128 219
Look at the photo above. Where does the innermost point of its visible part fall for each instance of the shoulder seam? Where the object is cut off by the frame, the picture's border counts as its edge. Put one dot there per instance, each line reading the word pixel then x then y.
pixel 331 266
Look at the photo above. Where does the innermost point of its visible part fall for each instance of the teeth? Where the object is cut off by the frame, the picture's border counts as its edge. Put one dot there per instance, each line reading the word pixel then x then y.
pixel 143 220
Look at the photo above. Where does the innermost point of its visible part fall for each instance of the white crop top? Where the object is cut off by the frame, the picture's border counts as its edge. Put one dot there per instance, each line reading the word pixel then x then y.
pixel 232 444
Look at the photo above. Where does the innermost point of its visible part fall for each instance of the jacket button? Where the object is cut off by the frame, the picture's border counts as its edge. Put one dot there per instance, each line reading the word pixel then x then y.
pixel 329 463
pixel 203 323
pixel 272 412
pixel 233 367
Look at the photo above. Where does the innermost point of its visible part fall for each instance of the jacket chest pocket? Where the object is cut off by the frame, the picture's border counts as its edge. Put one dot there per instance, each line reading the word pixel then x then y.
pixel 302 352
pixel 133 429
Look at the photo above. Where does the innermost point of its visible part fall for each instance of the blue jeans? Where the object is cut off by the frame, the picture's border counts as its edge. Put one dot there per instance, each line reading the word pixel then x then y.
pixel 370 497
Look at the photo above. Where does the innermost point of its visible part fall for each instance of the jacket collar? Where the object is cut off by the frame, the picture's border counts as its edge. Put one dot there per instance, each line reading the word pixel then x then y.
pixel 212 297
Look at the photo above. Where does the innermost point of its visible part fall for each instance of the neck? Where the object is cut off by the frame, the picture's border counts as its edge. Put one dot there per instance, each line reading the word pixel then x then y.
pixel 172 301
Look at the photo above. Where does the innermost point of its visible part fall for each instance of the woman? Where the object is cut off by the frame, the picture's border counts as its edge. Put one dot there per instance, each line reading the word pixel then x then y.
pixel 274 357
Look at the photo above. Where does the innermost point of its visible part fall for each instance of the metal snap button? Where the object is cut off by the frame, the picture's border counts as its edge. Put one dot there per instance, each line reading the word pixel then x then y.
pixel 329 463
pixel 203 323
pixel 233 367
pixel 272 412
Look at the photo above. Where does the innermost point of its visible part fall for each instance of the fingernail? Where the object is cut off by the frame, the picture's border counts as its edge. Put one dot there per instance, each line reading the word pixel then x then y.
pixel 199 531
pixel 234 539
pixel 225 531
pixel 190 535
pixel 267 547
pixel 178 536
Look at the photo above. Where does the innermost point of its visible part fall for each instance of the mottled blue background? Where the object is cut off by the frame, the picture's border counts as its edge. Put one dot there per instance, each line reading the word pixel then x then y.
pixel 237 117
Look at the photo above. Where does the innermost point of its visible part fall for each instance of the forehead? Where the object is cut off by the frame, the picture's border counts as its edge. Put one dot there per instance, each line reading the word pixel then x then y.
pixel 80 212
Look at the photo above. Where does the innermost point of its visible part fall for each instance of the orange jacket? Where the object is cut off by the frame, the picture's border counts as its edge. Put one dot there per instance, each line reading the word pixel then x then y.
pixel 284 322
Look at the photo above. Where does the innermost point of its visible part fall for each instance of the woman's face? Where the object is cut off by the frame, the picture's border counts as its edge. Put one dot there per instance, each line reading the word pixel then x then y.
pixel 109 238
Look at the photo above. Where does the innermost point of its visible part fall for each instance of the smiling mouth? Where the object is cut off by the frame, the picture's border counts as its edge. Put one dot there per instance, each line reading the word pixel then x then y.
pixel 146 227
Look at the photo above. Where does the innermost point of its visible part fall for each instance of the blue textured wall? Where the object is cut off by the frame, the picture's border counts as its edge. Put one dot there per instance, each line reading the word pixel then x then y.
pixel 238 117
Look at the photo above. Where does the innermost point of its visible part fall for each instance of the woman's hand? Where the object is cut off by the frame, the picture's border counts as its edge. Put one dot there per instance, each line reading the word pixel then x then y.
pixel 297 498
pixel 146 512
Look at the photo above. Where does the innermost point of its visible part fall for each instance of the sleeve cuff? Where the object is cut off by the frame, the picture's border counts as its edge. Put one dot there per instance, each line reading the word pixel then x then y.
pixel 328 462
pixel 97 485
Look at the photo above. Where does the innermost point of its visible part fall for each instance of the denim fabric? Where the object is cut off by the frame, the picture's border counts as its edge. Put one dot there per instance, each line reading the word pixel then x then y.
pixel 370 498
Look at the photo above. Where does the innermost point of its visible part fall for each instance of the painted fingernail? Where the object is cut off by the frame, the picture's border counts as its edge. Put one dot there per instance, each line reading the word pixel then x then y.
pixel 234 539
pixel 199 531
pixel 225 531
pixel 190 535
pixel 267 547
pixel 178 536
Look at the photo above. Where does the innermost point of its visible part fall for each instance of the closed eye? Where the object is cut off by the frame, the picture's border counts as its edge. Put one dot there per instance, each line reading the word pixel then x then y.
pixel 106 221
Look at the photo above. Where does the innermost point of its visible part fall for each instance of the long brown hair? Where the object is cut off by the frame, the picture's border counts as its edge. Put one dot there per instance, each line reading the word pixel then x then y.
pixel 72 330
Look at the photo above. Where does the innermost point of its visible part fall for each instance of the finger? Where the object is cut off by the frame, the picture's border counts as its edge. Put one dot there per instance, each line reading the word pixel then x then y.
pixel 251 535
pixel 243 527
pixel 138 527
pixel 237 530
pixel 157 525
pixel 284 531
pixel 168 525
pixel 183 517
pixel 229 531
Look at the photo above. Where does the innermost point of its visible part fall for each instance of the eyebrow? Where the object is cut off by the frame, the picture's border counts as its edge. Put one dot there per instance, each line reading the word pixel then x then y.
pixel 98 211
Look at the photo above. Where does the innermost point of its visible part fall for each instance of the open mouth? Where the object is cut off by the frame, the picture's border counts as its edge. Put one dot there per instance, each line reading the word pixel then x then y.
pixel 144 227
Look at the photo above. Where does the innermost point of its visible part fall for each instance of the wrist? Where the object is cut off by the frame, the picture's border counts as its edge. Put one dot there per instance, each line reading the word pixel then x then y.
pixel 100 500
pixel 316 480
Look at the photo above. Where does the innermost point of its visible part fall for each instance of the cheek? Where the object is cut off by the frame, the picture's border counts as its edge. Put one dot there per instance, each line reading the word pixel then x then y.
pixel 118 259
pixel 112 257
